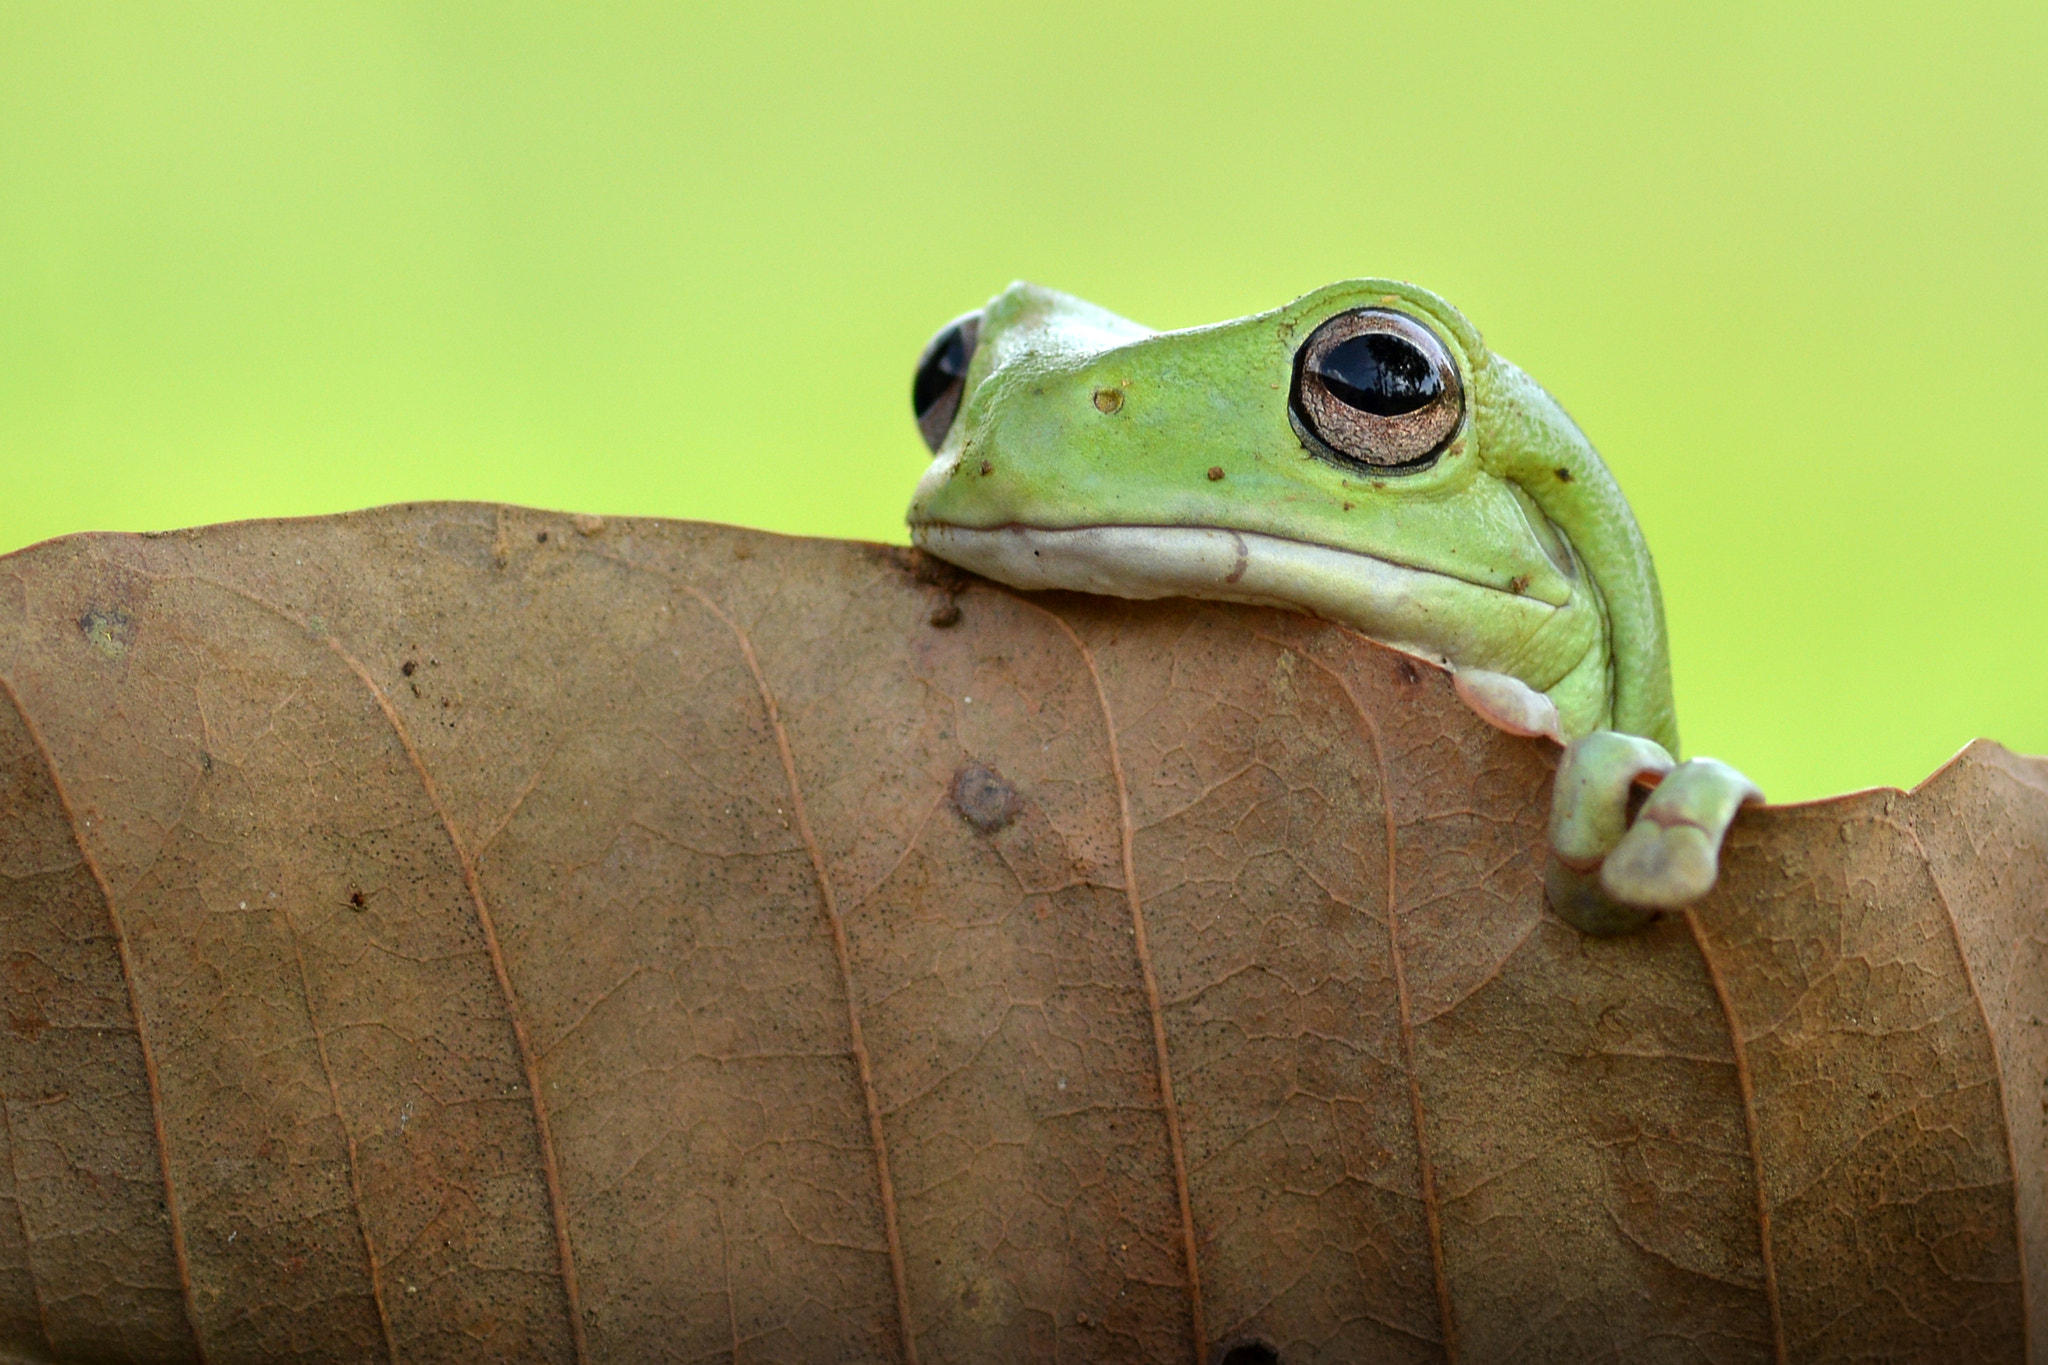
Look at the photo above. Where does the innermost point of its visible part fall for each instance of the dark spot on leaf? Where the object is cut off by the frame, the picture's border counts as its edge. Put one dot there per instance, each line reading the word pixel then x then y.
pixel 1408 672
pixel 930 569
pixel 409 667
pixel 1252 1352
pixel 358 900
pixel 987 468
pixel 946 612
pixel 1563 475
pixel 30 1024
pixel 984 798
pixel 109 629
pixel 1215 472
pixel 542 537
pixel 1519 584
pixel 205 761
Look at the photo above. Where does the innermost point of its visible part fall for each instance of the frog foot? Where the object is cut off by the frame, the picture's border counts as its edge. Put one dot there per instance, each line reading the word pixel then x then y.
pixel 1607 876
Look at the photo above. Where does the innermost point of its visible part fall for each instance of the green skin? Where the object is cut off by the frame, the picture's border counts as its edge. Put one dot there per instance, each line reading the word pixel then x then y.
pixel 1091 453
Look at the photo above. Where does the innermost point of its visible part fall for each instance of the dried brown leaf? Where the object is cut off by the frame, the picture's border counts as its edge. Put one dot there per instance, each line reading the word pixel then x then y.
pixel 460 932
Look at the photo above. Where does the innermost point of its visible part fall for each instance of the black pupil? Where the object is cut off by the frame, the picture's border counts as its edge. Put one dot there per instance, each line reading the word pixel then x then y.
pixel 946 366
pixel 1377 372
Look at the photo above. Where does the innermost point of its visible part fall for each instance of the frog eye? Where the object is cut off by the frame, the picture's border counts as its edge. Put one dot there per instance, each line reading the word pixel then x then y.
pixel 941 375
pixel 1376 388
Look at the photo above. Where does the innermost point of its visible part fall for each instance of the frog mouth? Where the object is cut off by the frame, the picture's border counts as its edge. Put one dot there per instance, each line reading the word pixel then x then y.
pixel 1464 624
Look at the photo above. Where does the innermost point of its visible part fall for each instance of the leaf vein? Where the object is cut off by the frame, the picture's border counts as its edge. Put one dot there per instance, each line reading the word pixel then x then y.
pixel 125 949
pixel 1426 1167
pixel 1142 947
pixel 836 923
pixel 528 1061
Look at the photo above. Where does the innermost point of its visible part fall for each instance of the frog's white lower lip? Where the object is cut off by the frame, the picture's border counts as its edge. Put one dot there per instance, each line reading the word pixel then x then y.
pixel 1425 613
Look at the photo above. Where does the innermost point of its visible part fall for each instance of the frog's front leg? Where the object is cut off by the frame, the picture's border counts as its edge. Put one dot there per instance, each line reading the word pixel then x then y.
pixel 1607 876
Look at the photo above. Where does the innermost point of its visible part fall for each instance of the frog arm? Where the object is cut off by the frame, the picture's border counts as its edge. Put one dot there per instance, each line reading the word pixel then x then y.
pixel 1606 875
pixel 1536 447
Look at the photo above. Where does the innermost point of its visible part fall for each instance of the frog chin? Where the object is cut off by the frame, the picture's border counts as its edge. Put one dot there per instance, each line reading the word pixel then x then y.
pixel 1472 628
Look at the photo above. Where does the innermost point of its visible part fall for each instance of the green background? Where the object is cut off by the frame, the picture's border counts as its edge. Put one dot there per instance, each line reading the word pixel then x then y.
pixel 1784 264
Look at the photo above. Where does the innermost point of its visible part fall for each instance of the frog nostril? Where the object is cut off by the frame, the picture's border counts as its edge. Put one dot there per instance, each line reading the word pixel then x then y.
pixel 941 377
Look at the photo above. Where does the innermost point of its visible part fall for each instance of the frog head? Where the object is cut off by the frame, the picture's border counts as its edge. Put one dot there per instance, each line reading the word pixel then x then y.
pixel 1357 454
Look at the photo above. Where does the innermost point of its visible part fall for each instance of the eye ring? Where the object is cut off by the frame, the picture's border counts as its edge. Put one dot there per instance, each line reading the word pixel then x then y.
pixel 1377 389
pixel 941 377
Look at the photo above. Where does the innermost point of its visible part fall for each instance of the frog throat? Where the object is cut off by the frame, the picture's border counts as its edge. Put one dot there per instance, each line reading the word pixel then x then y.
pixel 1558 650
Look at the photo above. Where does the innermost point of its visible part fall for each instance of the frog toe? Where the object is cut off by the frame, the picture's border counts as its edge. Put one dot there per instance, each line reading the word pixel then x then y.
pixel 1671 856
pixel 1581 902
pixel 1656 868
pixel 1589 800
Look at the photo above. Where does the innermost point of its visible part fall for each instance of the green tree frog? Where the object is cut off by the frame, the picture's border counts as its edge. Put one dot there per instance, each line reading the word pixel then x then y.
pixel 1358 455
